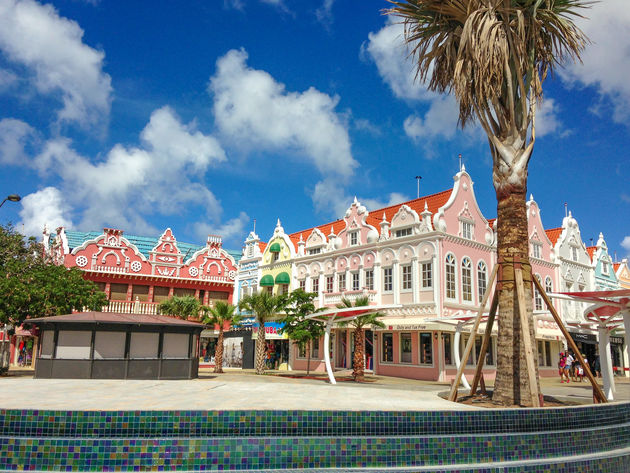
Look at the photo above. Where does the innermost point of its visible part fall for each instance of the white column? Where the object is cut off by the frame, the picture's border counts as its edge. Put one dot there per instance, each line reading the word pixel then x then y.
pixel 329 369
pixel 320 296
pixel 626 344
pixel 415 279
pixel 396 281
pixel 605 361
pixel 458 361
pixel 378 282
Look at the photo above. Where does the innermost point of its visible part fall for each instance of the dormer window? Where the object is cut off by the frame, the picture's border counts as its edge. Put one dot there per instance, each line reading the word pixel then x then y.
pixel 537 250
pixel 314 251
pixel 604 267
pixel 275 257
pixel 467 230
pixel 574 253
pixel 354 238
pixel 403 232
pixel 250 251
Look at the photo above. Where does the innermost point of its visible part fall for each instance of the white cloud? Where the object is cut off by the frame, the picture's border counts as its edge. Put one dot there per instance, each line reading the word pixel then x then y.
pixel 626 245
pixel 393 199
pixel 547 121
pixel 58 62
pixel 44 207
pixel 330 198
pixel 254 111
pixel 7 79
pixel 233 229
pixel 606 62
pixel 161 176
pixel 440 120
pixel 324 12
pixel 14 135
pixel 367 126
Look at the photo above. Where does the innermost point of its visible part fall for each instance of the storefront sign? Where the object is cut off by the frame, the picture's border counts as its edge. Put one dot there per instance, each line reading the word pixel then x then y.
pixel 408 327
pixel 616 340
pixel 583 337
pixel 272 331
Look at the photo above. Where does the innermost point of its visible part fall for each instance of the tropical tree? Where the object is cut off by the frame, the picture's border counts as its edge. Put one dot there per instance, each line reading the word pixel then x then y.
pixel 264 307
pixel 494 55
pixel 220 314
pixel 183 307
pixel 297 326
pixel 359 324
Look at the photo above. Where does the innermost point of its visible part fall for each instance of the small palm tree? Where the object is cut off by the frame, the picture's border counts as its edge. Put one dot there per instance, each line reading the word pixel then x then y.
pixel 220 314
pixel 264 307
pixel 494 56
pixel 183 307
pixel 359 324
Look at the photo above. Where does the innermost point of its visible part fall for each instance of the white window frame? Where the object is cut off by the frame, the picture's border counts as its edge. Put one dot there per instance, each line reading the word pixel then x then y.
pixel 427 274
pixel 482 283
pixel 353 238
pixel 403 232
pixel 369 279
pixel 450 286
pixel 467 280
pixel 356 281
pixel 341 282
pixel 388 279
pixel 406 277
pixel 467 229
pixel 536 250
pixel 330 283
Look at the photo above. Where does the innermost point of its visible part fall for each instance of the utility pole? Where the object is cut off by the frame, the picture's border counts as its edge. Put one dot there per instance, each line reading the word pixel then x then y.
pixel 418 182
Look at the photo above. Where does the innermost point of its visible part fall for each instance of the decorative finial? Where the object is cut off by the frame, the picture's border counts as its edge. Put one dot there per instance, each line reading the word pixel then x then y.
pixel 384 219
pixel 426 207
pixel 355 200
pixel 531 197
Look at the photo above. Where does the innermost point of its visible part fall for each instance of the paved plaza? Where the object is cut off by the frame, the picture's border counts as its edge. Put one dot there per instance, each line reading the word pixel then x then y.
pixel 238 389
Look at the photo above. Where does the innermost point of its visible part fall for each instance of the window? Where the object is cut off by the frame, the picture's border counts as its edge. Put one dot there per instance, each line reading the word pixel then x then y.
pixel 314 251
pixel 143 345
pixel 544 353
pixel 341 282
pixel 303 284
pixel 250 251
pixel 388 348
pixel 355 282
pixel 538 302
pixel 354 238
pixel 604 267
pixel 467 230
pixel 387 279
pixel 403 232
pixel 284 289
pixel 548 285
pixel 315 285
pixel 160 293
pixel 427 275
pixel 74 345
pixel 482 279
pixel 182 292
pixel 118 292
pixel 447 338
pixel 406 276
pixel 537 250
pixel 405 348
pixel 254 288
pixel 109 345
pixel 175 345
pixel 467 280
pixel 369 280
pixel 574 253
pixel 450 277
pixel 426 348
pixel 315 348
pixel 275 257
pixel 329 283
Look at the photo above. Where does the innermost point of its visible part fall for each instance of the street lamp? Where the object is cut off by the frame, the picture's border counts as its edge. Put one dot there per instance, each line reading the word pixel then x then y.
pixel 12 198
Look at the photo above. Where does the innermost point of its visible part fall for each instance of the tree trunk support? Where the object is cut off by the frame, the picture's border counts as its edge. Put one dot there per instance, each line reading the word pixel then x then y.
pixel 527 342
pixel 473 332
pixel 484 346
pixel 598 394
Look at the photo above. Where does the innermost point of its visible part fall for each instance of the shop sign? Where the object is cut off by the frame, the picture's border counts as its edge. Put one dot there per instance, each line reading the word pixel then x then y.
pixel 616 340
pixel 272 331
pixel 583 337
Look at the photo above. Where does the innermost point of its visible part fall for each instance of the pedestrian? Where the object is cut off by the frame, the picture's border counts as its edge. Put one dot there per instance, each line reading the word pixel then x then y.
pixel 596 366
pixel 568 365
pixel 561 362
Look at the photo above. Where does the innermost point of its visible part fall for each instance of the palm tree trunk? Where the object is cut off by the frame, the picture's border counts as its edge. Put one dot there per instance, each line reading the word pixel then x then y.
pixel 261 348
pixel 512 381
pixel 357 362
pixel 218 352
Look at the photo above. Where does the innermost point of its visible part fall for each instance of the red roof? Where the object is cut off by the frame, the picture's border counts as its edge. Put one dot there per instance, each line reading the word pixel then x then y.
pixel 262 245
pixel 116 318
pixel 554 234
pixel 433 202
pixel 591 251
pixel 491 222
pixel 616 266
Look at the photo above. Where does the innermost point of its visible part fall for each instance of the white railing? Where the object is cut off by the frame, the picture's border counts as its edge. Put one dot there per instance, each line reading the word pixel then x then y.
pixel 129 307
pixel 334 298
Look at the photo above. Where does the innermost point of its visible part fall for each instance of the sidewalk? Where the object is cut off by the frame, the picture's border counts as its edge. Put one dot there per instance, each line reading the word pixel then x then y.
pixel 242 389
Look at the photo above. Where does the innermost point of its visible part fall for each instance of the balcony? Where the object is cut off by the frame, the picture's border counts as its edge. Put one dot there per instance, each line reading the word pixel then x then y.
pixel 132 307
pixel 331 299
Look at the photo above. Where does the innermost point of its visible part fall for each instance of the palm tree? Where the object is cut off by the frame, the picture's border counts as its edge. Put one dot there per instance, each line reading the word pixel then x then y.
pixel 264 306
pixel 359 324
pixel 220 314
pixel 182 307
pixel 494 55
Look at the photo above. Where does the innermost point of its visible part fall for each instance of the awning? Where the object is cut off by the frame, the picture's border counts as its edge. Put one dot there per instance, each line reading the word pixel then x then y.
pixel 283 278
pixel 275 248
pixel 267 280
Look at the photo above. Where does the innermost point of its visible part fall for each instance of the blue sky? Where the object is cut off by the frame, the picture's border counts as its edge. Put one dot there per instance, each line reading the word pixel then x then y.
pixel 205 115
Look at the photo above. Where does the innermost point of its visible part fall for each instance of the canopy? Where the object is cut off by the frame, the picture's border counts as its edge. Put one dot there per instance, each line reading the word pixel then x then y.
pixel 267 280
pixel 283 278
pixel 275 248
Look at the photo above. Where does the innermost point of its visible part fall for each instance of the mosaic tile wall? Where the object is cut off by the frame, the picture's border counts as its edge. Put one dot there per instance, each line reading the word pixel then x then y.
pixel 264 440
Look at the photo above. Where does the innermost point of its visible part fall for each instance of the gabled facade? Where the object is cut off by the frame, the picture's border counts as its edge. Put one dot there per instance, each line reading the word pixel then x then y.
pixel 604 271
pixel 249 272
pixel 622 271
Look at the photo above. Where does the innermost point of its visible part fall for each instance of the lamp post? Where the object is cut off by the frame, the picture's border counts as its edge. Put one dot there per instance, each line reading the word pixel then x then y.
pixel 12 198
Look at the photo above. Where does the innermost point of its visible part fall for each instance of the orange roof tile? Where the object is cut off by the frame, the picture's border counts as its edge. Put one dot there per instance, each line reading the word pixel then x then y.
pixel 491 222
pixel 262 245
pixel 616 266
pixel 433 201
pixel 591 251
pixel 553 234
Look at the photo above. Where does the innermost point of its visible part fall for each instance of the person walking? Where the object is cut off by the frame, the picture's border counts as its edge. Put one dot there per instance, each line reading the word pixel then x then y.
pixel 561 362
pixel 568 365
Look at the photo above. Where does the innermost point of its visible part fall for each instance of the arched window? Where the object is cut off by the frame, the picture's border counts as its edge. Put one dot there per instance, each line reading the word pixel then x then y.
pixel 482 279
pixel 548 285
pixel 467 280
pixel 450 277
pixel 538 302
